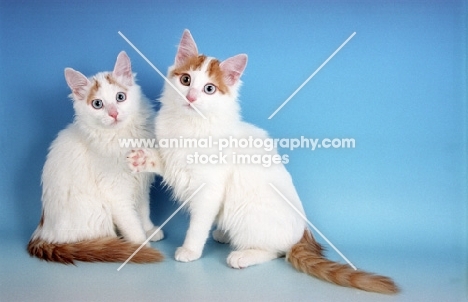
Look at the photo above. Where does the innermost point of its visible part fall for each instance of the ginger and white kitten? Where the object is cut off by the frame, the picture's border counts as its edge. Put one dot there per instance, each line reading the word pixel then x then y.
pixel 249 214
pixel 89 197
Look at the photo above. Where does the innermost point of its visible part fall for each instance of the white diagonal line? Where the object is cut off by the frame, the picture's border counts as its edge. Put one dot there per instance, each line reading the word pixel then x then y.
pixel 159 72
pixel 160 227
pixel 317 230
pixel 311 76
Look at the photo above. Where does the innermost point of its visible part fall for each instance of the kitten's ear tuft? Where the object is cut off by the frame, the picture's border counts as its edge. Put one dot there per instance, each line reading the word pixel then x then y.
pixel 123 68
pixel 233 68
pixel 187 49
pixel 77 83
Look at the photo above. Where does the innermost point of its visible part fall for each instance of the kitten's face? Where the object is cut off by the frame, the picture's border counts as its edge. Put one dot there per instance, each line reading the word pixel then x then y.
pixel 106 100
pixel 201 81
pixel 206 83
pixel 108 103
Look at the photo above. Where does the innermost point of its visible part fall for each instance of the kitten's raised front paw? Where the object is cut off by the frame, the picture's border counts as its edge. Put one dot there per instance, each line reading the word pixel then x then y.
pixel 220 236
pixel 140 161
pixel 136 160
pixel 183 254
pixel 158 236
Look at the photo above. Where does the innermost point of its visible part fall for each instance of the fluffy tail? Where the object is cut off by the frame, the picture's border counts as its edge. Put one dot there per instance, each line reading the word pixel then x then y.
pixel 110 249
pixel 307 256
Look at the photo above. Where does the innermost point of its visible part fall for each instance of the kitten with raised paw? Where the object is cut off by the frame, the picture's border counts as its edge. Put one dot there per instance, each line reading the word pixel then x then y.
pixel 90 200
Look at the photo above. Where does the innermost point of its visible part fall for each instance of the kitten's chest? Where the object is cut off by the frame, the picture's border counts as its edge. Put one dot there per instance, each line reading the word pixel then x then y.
pixel 108 162
pixel 108 153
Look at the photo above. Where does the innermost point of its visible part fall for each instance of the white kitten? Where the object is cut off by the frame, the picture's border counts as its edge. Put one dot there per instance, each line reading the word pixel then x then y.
pixel 88 191
pixel 248 213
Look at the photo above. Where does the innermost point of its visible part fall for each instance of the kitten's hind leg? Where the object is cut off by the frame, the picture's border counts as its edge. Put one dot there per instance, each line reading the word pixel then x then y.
pixel 144 160
pixel 158 236
pixel 128 222
pixel 245 258
pixel 220 236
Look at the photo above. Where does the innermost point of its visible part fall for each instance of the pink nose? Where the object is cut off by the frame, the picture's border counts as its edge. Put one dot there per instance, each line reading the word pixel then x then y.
pixel 113 113
pixel 192 95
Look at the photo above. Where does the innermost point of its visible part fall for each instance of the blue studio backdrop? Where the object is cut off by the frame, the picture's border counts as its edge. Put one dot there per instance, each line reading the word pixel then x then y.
pixel 397 88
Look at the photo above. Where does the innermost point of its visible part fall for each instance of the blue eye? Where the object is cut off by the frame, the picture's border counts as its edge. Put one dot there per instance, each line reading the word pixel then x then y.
pixel 97 104
pixel 121 96
pixel 209 89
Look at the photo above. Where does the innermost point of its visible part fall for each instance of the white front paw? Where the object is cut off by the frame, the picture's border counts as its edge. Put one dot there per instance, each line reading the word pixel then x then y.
pixel 156 237
pixel 183 254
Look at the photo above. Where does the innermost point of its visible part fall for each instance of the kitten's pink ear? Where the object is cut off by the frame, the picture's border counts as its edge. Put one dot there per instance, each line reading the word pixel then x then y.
pixel 77 83
pixel 123 68
pixel 233 68
pixel 187 49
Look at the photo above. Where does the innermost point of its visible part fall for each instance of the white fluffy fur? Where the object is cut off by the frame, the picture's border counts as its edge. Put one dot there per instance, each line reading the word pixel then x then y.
pixel 87 187
pixel 248 213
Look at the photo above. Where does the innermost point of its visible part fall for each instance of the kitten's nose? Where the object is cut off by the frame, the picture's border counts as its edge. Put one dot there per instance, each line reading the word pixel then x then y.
pixel 192 95
pixel 113 113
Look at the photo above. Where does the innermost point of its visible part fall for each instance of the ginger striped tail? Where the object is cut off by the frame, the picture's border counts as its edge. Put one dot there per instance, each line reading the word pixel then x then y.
pixel 307 256
pixel 110 249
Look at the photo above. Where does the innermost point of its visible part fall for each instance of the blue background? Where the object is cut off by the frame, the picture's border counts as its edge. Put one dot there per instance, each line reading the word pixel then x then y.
pixel 395 204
